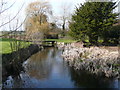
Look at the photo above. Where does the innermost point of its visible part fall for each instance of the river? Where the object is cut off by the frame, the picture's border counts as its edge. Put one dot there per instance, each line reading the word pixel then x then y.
pixel 47 69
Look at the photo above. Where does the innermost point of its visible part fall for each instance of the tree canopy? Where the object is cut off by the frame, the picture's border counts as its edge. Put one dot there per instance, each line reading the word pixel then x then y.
pixel 92 19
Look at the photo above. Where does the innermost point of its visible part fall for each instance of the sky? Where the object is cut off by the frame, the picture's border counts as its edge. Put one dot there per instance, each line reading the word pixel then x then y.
pixel 55 4
pixel 10 13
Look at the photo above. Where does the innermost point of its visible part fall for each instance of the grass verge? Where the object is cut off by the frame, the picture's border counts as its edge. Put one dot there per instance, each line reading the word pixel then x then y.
pixel 5 46
pixel 61 40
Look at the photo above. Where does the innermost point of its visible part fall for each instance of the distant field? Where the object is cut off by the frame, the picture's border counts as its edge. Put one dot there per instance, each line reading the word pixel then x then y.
pixel 5 45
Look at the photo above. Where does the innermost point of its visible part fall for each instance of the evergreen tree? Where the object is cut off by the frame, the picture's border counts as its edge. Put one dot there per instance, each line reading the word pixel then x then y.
pixel 92 19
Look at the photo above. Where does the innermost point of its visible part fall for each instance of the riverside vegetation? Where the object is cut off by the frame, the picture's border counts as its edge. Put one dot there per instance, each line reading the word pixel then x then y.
pixel 96 60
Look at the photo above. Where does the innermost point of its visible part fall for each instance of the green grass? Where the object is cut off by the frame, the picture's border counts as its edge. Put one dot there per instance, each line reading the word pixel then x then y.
pixel 61 40
pixel 6 39
pixel 5 45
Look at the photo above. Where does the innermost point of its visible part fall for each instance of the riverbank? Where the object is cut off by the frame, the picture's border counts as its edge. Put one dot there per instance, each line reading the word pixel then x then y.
pixel 47 69
pixel 12 63
pixel 96 60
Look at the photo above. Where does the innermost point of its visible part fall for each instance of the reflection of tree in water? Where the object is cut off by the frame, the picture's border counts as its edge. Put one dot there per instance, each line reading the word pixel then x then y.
pixel 58 65
pixel 83 79
pixel 54 52
pixel 39 65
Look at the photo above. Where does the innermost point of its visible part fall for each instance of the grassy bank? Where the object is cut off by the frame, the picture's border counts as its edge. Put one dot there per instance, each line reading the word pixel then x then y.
pixel 61 40
pixel 6 48
pixel 5 45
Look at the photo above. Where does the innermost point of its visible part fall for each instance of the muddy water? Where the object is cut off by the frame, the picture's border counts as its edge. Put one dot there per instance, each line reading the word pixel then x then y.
pixel 47 69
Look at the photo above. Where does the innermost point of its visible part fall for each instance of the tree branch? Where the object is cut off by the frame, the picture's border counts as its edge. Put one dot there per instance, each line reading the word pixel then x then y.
pixel 15 28
pixel 7 8
pixel 12 18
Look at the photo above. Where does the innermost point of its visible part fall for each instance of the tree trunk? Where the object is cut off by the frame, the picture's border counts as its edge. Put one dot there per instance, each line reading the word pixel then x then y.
pixel 93 39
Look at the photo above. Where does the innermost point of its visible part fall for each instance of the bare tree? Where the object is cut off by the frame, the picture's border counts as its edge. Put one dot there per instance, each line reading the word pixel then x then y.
pixel 37 21
pixel 17 36
pixel 66 15
pixel 39 9
pixel 2 3
pixel 4 10
pixel 14 28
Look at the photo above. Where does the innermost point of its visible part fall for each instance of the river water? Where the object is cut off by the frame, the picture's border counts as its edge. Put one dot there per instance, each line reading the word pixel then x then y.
pixel 47 69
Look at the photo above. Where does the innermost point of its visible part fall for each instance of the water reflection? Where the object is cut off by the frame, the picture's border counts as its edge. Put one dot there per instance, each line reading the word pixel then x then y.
pixel 47 69
pixel 38 65
pixel 44 63
pixel 86 80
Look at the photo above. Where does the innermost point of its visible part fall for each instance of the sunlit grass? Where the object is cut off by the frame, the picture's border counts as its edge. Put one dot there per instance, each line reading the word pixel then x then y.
pixel 5 46
pixel 61 40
